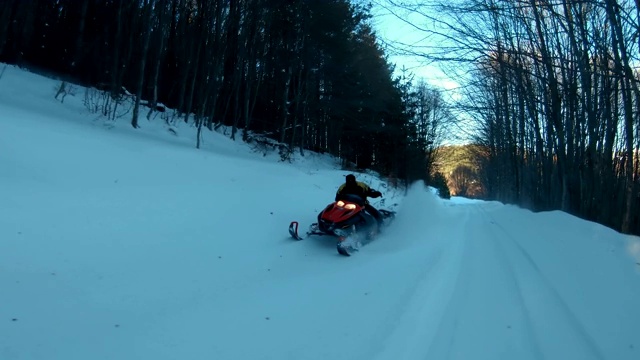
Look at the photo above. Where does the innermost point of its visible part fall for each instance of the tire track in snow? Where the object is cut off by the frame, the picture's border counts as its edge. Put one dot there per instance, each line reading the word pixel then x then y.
pixel 417 317
pixel 442 344
pixel 486 317
pixel 550 312
pixel 529 331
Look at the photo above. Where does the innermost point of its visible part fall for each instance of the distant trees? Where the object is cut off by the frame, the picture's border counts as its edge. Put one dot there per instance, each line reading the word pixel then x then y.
pixel 307 73
pixel 429 121
pixel 462 178
pixel 463 166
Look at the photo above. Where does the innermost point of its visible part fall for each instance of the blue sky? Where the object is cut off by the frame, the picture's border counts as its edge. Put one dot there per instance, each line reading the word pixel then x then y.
pixel 397 27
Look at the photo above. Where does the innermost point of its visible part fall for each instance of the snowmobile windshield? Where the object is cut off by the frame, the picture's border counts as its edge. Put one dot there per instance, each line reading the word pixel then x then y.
pixel 352 199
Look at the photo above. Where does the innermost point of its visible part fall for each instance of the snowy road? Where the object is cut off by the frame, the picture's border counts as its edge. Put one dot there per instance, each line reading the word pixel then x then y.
pixel 487 296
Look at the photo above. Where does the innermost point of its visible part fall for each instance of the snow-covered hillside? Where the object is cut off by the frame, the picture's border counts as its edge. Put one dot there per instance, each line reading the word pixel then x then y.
pixel 118 243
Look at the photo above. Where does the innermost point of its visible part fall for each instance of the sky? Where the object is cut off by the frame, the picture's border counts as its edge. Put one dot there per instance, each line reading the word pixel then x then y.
pixel 399 29
pixel 395 26
pixel 117 243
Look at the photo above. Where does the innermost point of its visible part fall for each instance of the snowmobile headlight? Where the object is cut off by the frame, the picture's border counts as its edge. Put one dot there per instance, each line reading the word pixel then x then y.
pixel 342 204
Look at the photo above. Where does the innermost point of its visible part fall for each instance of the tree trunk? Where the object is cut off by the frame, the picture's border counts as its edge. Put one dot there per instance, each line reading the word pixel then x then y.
pixel 117 43
pixel 153 104
pixel 6 16
pixel 624 70
pixel 146 34
pixel 285 105
pixel 77 57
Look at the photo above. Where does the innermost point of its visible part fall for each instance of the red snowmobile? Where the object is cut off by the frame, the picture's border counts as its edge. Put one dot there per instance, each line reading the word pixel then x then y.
pixel 347 220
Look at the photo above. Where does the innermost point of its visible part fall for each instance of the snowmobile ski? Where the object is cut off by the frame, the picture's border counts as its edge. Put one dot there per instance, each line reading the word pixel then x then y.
pixel 342 250
pixel 293 230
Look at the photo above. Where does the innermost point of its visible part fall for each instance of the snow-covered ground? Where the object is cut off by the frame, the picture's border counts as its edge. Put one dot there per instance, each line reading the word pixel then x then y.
pixel 118 243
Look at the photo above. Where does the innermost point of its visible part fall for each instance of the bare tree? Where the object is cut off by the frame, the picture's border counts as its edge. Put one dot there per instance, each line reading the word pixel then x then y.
pixel 80 36
pixel 145 26
pixel 555 96
pixel 161 30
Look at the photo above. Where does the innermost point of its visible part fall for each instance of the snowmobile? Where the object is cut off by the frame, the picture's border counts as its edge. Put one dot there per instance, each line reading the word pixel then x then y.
pixel 347 220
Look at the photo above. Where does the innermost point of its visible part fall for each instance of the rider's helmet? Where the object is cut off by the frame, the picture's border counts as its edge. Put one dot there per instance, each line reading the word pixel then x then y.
pixel 350 179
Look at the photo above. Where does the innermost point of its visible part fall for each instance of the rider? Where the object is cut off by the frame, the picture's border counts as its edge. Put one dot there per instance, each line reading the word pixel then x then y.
pixel 353 187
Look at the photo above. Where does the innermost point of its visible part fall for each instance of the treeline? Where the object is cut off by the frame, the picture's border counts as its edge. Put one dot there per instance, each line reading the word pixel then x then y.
pixel 555 91
pixel 308 74
pixel 461 166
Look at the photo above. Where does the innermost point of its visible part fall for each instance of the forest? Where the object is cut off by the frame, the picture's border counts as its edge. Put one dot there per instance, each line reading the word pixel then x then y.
pixel 550 88
pixel 300 74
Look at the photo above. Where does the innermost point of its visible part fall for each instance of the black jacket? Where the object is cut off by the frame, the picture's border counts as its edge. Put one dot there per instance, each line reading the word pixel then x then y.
pixel 358 188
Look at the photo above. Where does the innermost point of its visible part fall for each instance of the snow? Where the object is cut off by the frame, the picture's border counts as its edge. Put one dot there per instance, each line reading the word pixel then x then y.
pixel 122 243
